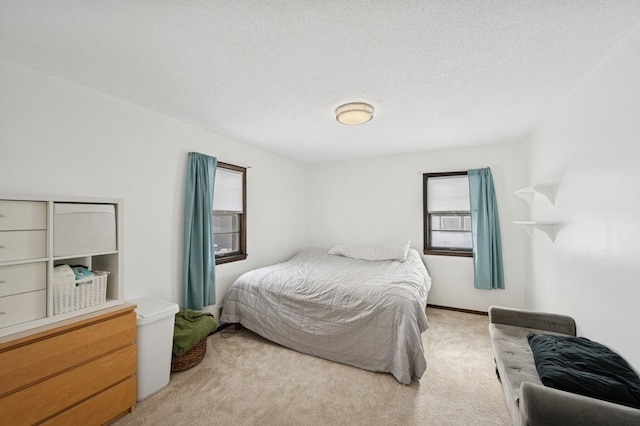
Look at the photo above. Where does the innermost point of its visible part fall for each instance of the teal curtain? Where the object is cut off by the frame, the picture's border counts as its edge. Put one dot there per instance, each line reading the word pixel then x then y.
pixel 199 275
pixel 485 230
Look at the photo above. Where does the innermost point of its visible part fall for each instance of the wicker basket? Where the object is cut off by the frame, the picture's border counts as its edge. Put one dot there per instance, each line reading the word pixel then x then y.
pixel 80 294
pixel 190 358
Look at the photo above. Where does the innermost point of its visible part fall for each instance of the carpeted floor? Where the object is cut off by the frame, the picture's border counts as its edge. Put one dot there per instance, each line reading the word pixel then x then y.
pixel 247 380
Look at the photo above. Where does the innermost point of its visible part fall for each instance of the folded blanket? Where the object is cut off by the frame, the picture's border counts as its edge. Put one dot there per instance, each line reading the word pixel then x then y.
pixel 62 274
pixel 81 272
pixel 190 327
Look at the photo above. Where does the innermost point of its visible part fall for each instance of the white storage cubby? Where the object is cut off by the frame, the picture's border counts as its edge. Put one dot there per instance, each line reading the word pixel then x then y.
pixel 38 233
pixel 83 228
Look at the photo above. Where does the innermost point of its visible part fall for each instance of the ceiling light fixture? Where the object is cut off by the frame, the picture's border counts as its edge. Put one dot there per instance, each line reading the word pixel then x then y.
pixel 354 113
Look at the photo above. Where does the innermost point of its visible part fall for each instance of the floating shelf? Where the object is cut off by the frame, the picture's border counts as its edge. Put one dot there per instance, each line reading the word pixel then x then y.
pixel 546 189
pixel 549 228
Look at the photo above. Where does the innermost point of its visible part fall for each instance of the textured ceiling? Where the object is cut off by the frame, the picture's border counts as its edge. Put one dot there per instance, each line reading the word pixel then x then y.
pixel 271 73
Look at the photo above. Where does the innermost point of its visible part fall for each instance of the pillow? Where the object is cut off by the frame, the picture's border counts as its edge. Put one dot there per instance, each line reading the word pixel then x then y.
pixel 578 365
pixel 393 251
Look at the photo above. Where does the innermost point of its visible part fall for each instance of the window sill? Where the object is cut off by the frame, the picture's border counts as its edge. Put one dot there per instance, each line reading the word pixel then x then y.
pixel 229 259
pixel 449 253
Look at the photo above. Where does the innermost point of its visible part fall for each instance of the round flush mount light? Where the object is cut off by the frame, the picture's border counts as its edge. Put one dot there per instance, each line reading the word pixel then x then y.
pixel 354 113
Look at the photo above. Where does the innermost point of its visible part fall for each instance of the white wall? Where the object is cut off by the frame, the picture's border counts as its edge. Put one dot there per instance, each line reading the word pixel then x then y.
pixel 59 138
pixel 590 146
pixel 380 200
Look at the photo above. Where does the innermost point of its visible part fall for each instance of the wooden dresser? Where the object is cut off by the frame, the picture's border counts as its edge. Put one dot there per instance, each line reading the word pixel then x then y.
pixel 76 371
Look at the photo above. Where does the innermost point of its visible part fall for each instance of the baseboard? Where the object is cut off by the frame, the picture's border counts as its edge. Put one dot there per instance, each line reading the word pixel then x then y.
pixel 449 308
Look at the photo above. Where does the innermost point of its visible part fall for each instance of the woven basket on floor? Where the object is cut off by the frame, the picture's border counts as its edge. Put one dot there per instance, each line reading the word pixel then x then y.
pixel 190 358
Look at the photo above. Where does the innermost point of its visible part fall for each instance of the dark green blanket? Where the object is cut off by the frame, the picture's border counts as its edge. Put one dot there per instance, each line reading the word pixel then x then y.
pixel 190 327
pixel 579 365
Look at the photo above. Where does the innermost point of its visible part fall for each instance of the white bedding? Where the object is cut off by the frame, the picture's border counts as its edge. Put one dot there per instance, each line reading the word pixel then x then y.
pixel 367 314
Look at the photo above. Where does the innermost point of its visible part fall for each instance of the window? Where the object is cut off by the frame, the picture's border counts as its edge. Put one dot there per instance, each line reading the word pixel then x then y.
pixel 447 216
pixel 230 213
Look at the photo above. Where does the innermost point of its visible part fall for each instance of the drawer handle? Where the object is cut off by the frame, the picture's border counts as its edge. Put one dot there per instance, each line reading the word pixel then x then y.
pixel 2 313
pixel 3 281
pixel 1 247
pixel 1 216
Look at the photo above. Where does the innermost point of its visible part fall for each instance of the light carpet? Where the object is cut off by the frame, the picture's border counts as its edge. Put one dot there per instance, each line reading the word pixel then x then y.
pixel 247 380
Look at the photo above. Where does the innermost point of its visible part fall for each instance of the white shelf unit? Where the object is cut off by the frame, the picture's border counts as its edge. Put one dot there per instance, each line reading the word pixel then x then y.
pixel 546 189
pixel 33 294
pixel 549 228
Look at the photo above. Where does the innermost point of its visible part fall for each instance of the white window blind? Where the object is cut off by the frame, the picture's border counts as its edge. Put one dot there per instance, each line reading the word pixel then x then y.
pixel 448 194
pixel 227 192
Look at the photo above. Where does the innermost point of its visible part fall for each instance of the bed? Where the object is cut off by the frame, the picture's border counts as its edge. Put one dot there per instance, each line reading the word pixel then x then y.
pixel 368 314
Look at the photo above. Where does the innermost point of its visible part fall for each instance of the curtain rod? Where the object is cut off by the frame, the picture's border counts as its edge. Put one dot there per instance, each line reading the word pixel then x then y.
pixel 234 163
pixel 444 173
pixel 223 161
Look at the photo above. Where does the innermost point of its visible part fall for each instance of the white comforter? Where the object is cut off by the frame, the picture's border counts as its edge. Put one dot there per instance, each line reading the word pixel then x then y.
pixel 367 314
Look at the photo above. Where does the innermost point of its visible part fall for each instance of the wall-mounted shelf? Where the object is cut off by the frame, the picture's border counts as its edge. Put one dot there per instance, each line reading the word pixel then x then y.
pixel 546 189
pixel 549 228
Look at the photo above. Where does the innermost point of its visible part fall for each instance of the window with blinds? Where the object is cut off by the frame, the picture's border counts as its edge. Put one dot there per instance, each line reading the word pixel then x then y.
pixel 229 213
pixel 447 217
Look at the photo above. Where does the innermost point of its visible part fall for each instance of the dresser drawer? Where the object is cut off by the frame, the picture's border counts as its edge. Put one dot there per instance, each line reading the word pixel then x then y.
pixel 23 307
pixel 63 391
pixel 22 215
pixel 20 245
pixel 22 278
pixel 28 364
pixel 102 408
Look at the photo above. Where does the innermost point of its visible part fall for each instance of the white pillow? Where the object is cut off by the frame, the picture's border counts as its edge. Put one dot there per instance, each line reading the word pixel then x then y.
pixel 393 251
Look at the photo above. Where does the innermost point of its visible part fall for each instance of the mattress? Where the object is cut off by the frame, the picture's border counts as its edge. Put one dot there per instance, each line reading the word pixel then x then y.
pixel 366 314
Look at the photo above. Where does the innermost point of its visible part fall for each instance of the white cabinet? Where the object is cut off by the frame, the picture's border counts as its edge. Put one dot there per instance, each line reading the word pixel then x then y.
pixel 83 228
pixel 22 215
pixel 23 249
pixel 23 307
pixel 22 245
pixel 38 233
pixel 22 278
